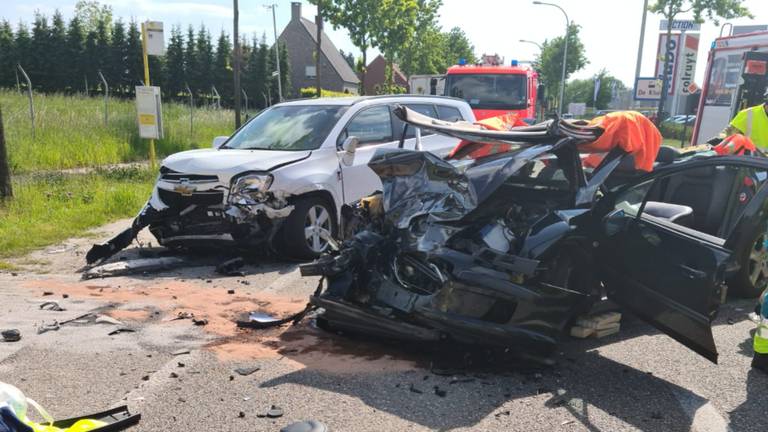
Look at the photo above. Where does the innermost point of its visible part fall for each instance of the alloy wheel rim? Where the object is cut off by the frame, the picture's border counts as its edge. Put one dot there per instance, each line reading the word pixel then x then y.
pixel 317 228
pixel 758 262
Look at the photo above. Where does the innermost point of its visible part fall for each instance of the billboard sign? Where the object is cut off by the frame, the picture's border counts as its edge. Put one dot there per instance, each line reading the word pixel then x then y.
pixel 686 68
pixel 680 25
pixel 648 89
pixel 149 112
pixel 674 50
pixel 155 38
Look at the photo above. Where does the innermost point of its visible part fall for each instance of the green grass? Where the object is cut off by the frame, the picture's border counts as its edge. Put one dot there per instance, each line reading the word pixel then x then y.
pixel 70 131
pixel 49 208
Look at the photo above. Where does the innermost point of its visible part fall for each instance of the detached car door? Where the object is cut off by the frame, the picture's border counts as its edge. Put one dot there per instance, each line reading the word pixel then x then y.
pixel 665 260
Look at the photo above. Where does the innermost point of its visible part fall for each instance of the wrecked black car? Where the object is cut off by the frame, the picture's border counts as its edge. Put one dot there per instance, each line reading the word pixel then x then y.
pixel 509 249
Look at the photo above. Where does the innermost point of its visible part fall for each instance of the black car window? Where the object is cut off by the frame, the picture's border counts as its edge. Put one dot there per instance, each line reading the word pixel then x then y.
pixel 449 113
pixel 425 109
pixel 371 126
pixel 543 172
pixel 705 202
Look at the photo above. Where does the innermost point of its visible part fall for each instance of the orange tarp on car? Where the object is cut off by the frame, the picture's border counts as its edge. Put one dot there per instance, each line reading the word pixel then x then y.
pixel 632 132
pixel 629 130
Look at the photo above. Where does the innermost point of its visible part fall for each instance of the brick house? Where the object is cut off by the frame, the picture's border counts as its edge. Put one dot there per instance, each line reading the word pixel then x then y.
pixel 300 37
pixel 377 75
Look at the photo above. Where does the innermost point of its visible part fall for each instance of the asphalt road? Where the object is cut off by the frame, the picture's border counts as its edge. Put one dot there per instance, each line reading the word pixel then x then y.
pixel 637 379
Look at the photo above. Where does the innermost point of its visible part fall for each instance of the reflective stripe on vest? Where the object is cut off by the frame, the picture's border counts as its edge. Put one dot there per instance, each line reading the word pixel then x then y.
pixel 761 337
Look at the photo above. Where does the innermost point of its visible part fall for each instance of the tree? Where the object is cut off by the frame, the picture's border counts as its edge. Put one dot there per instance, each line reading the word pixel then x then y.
pixel 22 45
pixel 174 64
pixel 712 9
pixel 458 47
pixel 202 75
pixel 425 53
pixel 549 63
pixel 74 49
pixel 396 25
pixel 349 57
pixel 135 60
pixel 56 56
pixel 256 72
pixel 91 13
pixel 223 67
pixel 7 58
pixel 359 18
pixel 39 66
pixel 190 61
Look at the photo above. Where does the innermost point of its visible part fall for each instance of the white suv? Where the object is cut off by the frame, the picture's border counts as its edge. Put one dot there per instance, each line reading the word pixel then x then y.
pixel 283 177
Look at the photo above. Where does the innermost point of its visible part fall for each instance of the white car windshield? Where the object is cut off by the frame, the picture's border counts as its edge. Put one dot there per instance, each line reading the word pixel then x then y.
pixel 288 128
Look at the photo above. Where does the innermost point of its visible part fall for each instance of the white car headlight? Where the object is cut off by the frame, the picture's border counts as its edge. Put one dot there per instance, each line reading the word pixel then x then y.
pixel 252 185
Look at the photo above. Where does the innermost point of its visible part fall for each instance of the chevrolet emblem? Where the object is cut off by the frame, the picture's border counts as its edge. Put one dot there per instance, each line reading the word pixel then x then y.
pixel 184 188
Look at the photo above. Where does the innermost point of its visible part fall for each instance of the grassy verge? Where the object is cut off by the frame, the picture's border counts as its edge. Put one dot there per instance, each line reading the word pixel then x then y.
pixel 70 131
pixel 50 208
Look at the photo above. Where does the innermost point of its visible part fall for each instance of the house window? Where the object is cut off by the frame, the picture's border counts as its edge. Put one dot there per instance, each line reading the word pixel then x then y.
pixel 310 71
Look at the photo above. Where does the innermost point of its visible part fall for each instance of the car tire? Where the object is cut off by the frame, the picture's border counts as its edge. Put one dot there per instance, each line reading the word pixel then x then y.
pixel 751 279
pixel 301 231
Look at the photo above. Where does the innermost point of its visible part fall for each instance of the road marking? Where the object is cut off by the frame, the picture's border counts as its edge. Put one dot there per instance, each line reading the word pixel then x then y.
pixel 704 416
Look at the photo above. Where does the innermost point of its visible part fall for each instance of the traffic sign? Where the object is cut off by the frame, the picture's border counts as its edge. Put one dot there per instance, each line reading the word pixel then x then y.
pixel 648 88
pixel 680 25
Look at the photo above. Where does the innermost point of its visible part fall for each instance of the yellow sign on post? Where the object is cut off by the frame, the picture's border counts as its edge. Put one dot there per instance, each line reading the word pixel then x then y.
pixel 150 112
pixel 152 43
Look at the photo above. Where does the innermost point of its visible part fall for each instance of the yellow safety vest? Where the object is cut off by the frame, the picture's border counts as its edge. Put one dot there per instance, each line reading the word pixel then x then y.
pixel 753 123
pixel 761 337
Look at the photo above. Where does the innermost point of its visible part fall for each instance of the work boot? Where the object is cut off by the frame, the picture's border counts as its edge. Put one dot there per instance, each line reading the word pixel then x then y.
pixel 760 362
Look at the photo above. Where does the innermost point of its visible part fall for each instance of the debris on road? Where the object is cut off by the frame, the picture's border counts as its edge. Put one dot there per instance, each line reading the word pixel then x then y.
pixel 245 371
pixel 140 265
pixel 598 326
pixel 200 321
pixel 52 306
pixel 43 328
pixel 439 392
pixel 306 426
pixel 180 352
pixel 261 320
pixel 274 412
pixel 11 335
pixel 231 267
pixel 121 330
pixel 231 291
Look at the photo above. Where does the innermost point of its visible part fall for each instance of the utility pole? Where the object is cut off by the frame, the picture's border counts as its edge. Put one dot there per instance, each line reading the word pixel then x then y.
pixel 642 40
pixel 319 52
pixel 236 63
pixel 145 56
pixel 277 52
pixel 6 190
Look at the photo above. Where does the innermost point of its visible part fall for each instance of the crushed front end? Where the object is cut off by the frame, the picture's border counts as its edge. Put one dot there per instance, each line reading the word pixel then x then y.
pixel 191 210
pixel 463 256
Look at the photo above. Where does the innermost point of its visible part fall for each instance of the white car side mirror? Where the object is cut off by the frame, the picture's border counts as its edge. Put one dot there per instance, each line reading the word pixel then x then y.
pixel 349 146
pixel 218 141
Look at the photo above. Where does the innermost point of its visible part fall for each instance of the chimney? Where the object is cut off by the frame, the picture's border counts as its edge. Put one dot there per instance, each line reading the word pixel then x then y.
pixel 295 11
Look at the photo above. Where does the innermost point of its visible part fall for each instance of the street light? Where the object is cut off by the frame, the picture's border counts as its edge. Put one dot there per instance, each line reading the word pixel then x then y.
pixel 565 50
pixel 532 42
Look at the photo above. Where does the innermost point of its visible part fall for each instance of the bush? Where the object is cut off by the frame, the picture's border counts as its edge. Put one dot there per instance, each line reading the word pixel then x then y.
pixel 675 131
pixel 310 92
pixel 386 89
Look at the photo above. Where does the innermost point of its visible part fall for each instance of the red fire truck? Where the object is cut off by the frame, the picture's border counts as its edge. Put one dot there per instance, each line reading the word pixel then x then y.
pixel 492 89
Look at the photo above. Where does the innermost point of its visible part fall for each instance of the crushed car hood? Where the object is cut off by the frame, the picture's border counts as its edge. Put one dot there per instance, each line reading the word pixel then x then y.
pixel 229 162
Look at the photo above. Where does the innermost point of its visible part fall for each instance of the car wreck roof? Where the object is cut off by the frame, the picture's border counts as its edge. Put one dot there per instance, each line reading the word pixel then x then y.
pixel 352 100
pixel 519 136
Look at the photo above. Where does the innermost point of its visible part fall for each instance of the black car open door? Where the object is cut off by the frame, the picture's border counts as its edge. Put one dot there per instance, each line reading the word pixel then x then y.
pixel 655 262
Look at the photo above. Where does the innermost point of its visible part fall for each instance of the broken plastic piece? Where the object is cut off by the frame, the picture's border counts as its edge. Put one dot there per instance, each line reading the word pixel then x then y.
pixel 245 371
pixel 51 306
pixel 133 266
pixel 121 330
pixel 230 267
pixel 306 426
pixel 48 327
pixel 275 412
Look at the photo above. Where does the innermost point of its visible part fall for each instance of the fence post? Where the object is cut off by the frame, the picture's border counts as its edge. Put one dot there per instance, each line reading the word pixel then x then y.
pixel 29 94
pixel 245 95
pixel 216 97
pixel 18 84
pixel 106 98
pixel 191 108
pixel 6 190
pixel 85 78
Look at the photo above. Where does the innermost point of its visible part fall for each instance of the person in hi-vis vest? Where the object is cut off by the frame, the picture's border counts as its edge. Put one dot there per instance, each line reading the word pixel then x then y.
pixel 760 360
pixel 752 123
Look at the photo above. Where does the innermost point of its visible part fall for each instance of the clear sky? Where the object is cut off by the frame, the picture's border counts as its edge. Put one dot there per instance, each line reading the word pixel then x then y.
pixel 610 28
